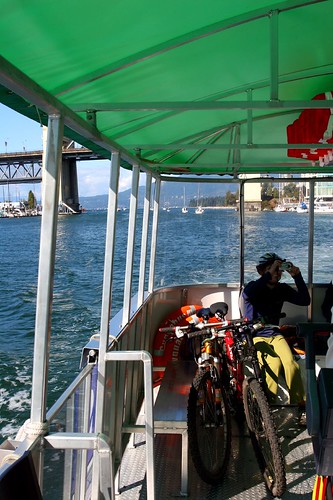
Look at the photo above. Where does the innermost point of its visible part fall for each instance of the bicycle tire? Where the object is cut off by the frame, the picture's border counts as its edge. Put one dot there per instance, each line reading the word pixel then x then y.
pixel 264 437
pixel 209 429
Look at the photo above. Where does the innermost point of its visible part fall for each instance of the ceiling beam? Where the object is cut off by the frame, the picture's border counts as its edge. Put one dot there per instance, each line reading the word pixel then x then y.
pixel 234 169
pixel 201 145
pixel 201 105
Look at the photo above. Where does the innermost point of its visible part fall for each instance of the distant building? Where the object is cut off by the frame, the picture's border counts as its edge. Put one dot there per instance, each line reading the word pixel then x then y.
pixel 322 190
pixel 11 205
pixel 252 194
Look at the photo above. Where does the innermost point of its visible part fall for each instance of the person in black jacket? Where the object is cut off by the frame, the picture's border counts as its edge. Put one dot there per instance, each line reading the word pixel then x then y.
pixel 265 297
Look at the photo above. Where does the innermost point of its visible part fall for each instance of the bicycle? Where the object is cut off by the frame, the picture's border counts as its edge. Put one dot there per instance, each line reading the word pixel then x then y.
pixel 220 389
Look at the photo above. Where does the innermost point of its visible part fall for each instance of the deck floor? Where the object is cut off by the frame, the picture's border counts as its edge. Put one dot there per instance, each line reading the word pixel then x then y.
pixel 243 480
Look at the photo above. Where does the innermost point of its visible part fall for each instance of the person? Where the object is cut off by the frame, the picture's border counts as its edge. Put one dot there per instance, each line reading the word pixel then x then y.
pixel 265 297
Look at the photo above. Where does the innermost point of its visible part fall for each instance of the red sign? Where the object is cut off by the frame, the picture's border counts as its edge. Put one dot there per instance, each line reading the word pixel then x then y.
pixel 313 126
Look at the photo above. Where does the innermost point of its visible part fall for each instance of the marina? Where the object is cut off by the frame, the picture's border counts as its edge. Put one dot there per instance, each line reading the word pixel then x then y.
pixel 96 398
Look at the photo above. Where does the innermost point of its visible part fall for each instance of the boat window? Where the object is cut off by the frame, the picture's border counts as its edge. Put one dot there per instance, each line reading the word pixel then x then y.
pixel 285 233
pixel 197 247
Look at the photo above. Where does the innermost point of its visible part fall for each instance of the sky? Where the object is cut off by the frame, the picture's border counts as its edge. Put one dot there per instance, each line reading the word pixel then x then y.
pixel 18 133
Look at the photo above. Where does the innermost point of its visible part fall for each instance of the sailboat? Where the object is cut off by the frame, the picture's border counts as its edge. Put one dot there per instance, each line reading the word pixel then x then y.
pixel 280 207
pixel 184 209
pixel 199 209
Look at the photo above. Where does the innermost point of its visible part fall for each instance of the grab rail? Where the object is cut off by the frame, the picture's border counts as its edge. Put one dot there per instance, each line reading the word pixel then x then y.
pixel 147 360
pixel 61 401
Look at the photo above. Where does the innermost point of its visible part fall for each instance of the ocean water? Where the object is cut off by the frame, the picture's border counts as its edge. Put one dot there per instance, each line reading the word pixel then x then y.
pixel 191 249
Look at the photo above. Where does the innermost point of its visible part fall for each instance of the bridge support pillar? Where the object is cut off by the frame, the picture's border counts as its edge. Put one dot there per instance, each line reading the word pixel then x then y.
pixel 69 193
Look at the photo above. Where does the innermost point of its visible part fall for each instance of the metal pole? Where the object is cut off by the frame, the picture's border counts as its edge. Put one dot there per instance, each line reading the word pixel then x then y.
pixel 154 236
pixel 51 179
pixel 107 284
pixel 274 55
pixel 144 240
pixel 249 119
pixel 241 233
pixel 82 457
pixel 311 241
pixel 106 301
pixel 130 245
pixel 147 360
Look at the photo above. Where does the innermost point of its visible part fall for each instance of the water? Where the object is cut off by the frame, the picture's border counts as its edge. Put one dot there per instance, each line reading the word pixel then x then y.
pixel 191 249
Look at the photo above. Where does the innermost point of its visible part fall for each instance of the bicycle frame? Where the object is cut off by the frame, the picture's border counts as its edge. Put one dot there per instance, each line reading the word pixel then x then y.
pixel 227 350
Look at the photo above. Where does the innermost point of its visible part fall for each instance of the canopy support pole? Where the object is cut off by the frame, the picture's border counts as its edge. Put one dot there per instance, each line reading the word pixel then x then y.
pixel 241 232
pixel 107 284
pixel 311 241
pixel 144 240
pixel 51 181
pixel 154 236
pixel 274 55
pixel 130 245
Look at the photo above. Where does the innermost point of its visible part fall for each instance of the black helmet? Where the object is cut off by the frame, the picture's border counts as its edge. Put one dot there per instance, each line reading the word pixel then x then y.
pixel 268 258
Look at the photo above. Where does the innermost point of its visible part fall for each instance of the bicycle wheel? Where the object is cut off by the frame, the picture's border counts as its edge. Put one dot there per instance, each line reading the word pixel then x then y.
pixel 209 428
pixel 264 436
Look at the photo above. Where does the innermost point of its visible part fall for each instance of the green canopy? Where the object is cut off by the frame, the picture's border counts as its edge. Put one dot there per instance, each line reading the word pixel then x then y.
pixel 183 86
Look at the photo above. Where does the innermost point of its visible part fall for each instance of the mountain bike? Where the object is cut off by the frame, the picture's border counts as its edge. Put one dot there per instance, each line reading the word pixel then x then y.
pixel 220 389
pixel 208 412
pixel 259 418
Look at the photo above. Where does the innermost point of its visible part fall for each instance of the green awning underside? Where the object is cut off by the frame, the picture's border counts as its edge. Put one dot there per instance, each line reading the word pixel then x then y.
pixel 183 86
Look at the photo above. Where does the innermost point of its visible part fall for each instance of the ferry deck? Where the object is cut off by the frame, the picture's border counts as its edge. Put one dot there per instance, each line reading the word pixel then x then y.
pixel 184 92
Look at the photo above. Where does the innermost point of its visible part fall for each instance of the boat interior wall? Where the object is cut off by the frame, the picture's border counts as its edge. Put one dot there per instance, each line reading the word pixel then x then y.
pixel 317 299
pixel 164 301
pixel 170 299
pixel 294 314
pixel 301 314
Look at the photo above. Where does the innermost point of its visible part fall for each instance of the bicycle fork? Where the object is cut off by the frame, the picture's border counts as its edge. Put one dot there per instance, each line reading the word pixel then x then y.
pixel 210 398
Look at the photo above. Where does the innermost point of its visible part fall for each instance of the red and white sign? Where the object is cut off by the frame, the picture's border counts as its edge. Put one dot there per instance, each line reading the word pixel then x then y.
pixel 313 126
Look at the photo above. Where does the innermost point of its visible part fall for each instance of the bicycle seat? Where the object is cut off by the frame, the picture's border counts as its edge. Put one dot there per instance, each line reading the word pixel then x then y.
pixel 219 309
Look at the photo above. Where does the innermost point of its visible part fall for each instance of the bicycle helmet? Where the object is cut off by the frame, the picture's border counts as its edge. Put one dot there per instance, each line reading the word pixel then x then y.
pixel 268 258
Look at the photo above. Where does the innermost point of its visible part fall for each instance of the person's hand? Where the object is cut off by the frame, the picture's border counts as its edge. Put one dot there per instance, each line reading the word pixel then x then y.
pixel 274 268
pixel 293 271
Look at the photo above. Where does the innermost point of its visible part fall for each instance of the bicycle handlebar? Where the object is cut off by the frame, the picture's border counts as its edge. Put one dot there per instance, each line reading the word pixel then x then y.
pixel 201 328
pixel 172 329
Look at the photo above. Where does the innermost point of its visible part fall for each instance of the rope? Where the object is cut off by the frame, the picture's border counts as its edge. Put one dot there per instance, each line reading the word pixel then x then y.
pixel 28 429
pixel 32 429
pixel 9 457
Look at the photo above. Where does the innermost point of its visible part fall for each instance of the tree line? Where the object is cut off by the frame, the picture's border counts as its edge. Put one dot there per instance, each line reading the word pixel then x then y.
pixel 228 200
pixel 270 196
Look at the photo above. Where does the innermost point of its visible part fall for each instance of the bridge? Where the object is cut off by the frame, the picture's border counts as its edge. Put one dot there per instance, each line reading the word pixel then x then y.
pixel 27 167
